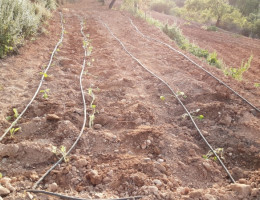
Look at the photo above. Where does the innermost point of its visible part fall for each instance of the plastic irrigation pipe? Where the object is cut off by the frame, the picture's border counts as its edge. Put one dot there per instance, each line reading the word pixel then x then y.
pixel 85 114
pixel 42 79
pixel 165 44
pixel 75 198
pixel 176 96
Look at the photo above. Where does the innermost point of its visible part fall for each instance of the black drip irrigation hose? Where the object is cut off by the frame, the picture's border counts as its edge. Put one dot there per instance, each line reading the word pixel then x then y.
pixel 85 115
pixel 42 79
pixel 75 198
pixel 176 96
pixel 199 66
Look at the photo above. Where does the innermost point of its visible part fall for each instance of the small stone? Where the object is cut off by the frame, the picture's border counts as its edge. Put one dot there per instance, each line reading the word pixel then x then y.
pixel 138 121
pixel 255 192
pixel 81 163
pixel 52 117
pixel 53 187
pixel 147 159
pixel 148 142
pixel 160 160
pixel 95 178
pixel 207 166
pixel 106 180
pixel 195 194
pixel 184 191
pixel 209 197
pixel 5 180
pixel 4 191
pixel 241 189
pixel 143 146
pixel 34 177
pixel 110 173
pixel 97 126
pixel 242 181
pixel 160 167
pixel 157 182
pixel 152 189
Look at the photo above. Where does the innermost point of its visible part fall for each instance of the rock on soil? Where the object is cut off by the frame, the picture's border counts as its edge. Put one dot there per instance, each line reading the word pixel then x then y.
pixel 241 189
pixel 4 191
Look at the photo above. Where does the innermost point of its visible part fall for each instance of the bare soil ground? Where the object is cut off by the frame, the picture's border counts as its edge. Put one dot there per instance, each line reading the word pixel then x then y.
pixel 140 145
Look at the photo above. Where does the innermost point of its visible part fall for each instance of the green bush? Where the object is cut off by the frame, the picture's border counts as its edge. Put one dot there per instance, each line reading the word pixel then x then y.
pixel 162 6
pixel 237 73
pixel 175 34
pixel 197 51
pixel 20 19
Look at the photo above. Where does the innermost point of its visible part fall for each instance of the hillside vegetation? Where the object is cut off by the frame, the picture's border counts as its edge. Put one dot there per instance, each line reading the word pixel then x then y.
pixel 240 16
pixel 21 19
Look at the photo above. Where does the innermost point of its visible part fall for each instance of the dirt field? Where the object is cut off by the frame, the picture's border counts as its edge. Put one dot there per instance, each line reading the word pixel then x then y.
pixel 140 145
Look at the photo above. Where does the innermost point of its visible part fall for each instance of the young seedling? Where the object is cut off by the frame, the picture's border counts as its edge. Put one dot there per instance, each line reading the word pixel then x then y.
pixel 257 85
pixel 16 114
pixel 179 93
pixel 45 93
pixel 1 175
pixel 44 74
pixel 13 131
pixel 93 107
pixel 200 117
pixel 162 98
pixel 60 151
pixel 191 112
pixel 211 155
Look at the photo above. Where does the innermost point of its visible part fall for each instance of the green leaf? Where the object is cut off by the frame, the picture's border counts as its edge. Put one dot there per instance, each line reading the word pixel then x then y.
pixel 17 129
pixel 42 91
pixel 54 149
pixel 15 113
pixel 93 106
pixel 8 118
pixel 63 149
pixel 1 175
pixel 162 98
pixel 201 117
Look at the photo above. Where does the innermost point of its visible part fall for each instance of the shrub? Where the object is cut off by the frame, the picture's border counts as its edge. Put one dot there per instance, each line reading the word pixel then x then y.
pixel 175 34
pixel 163 6
pixel 20 19
pixel 237 73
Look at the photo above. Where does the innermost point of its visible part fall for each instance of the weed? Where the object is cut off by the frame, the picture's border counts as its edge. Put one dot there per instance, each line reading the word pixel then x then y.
pixel 1 175
pixel 237 73
pixel 211 155
pixel 13 131
pixel 8 118
pixel 257 85
pixel 45 93
pixel 60 151
pixel 213 59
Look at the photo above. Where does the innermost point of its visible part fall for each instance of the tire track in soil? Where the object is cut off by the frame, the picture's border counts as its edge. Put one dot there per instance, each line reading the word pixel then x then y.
pixel 138 146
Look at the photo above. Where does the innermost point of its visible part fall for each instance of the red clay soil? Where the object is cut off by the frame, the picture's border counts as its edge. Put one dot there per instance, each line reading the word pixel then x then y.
pixel 140 145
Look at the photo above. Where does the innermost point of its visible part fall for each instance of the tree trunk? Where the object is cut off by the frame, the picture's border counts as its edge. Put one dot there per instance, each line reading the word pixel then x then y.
pixel 111 4
pixel 218 22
